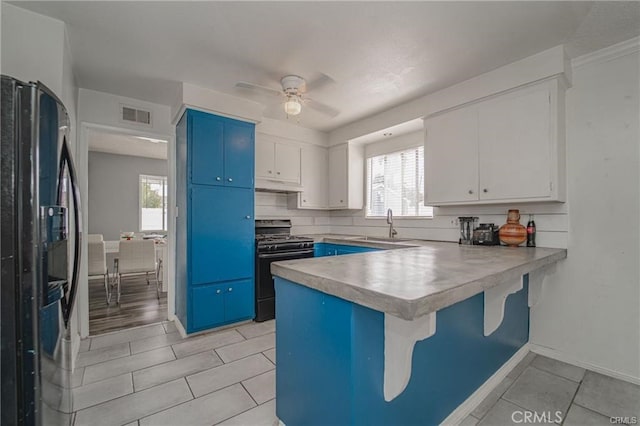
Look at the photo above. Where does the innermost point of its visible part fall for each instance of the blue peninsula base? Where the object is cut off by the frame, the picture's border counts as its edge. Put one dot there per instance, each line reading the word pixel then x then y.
pixel 330 355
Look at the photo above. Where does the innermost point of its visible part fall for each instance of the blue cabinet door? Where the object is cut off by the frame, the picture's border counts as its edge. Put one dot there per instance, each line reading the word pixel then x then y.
pixel 239 300
pixel 222 234
pixel 238 154
pixel 206 148
pixel 207 306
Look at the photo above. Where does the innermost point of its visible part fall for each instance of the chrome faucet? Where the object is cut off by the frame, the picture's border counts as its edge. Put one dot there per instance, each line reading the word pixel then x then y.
pixel 392 232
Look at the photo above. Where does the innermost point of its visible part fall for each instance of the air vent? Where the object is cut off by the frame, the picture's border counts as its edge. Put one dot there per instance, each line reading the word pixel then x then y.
pixel 133 115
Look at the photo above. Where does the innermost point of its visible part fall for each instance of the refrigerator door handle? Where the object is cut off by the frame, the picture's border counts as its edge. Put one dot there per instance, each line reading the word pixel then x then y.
pixel 66 160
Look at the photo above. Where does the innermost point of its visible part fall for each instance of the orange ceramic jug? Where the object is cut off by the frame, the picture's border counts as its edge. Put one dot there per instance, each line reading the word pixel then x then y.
pixel 513 233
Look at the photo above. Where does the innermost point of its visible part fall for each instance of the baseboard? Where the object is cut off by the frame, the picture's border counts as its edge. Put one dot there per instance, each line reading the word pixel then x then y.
pixel 184 334
pixel 561 356
pixel 180 327
pixel 470 404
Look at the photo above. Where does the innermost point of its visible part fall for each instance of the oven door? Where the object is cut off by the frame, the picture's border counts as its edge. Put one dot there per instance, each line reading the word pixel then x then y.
pixel 265 291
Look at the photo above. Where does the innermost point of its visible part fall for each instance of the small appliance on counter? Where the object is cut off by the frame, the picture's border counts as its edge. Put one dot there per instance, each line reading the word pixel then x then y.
pixel 467 225
pixel 486 234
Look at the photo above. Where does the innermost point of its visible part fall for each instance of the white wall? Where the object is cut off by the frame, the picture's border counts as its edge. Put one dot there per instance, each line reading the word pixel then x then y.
pixel 114 192
pixel 589 310
pixel 104 109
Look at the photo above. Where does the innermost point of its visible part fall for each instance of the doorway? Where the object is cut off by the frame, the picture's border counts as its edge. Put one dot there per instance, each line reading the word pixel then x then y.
pixel 128 230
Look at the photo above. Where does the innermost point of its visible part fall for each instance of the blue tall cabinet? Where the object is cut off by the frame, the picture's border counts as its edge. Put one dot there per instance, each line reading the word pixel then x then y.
pixel 215 223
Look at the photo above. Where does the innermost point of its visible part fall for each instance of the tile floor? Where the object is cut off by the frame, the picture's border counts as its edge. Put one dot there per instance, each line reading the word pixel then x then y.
pixel 542 386
pixel 151 376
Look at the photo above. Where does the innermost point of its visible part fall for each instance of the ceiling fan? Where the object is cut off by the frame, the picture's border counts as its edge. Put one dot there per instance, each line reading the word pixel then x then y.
pixel 294 93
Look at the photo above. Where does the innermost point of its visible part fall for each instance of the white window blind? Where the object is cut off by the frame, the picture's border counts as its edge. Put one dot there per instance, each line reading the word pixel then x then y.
pixel 153 203
pixel 396 181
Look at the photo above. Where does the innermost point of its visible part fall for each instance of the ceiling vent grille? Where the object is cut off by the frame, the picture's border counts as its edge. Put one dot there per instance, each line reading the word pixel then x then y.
pixel 134 115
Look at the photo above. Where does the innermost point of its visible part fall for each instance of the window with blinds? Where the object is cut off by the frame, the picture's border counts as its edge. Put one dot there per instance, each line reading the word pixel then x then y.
pixel 396 181
pixel 153 203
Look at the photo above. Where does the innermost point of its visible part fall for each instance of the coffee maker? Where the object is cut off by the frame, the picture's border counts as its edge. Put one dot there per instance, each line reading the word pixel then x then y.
pixel 467 225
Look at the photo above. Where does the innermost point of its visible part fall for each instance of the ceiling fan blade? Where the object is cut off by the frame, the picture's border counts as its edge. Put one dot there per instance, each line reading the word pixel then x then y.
pixel 319 82
pixel 320 107
pixel 262 89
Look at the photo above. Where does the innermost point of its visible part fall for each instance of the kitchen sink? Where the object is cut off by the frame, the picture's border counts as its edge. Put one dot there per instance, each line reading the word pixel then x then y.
pixel 385 239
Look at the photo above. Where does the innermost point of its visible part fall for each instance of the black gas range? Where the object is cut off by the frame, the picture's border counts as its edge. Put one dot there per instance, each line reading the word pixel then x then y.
pixel 274 243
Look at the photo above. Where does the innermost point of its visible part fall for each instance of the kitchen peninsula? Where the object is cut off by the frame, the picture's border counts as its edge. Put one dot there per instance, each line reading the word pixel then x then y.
pixel 399 336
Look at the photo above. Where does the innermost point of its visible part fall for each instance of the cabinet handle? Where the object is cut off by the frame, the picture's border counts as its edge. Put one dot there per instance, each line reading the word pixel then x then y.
pixel 485 190
pixel 218 291
pixel 218 178
pixel 230 289
pixel 304 201
pixel 230 180
pixel 342 201
pixel 247 217
pixel 471 191
pixel 269 171
pixel 277 173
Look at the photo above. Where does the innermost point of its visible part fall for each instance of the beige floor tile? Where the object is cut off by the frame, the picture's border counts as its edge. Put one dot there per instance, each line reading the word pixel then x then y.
pixel 248 347
pixel 94 373
pixel 135 406
pixel 263 387
pixel 126 336
pixel 608 396
pixel 228 374
pixel 469 421
pixel 256 329
pixel 262 415
pixel 271 354
pixel 558 368
pixel 155 342
pixel 206 410
pixel 172 370
pixel 580 416
pixel 539 391
pixel 206 342
pixel 103 354
pixel 104 390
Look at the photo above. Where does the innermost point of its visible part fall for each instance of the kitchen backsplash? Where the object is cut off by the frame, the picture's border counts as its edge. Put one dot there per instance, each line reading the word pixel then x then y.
pixel 551 222
pixel 273 205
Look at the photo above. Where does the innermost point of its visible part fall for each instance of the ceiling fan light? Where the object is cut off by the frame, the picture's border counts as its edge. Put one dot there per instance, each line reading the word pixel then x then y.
pixel 292 106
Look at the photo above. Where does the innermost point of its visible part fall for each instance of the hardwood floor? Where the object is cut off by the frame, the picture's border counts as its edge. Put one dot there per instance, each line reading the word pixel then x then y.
pixel 138 305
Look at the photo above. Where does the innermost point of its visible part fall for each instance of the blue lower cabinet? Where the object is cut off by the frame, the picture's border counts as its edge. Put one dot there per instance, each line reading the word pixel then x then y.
pixel 207 307
pixel 329 249
pixel 239 300
pixel 222 303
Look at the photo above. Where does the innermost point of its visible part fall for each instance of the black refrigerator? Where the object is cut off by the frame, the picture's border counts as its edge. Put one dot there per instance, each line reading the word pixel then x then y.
pixel 40 253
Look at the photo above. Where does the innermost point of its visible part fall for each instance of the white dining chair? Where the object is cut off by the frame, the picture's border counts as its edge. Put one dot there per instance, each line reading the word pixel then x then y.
pixel 97 264
pixel 137 256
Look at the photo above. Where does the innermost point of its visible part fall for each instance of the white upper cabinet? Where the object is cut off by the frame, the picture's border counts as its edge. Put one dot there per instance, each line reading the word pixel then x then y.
pixel 346 177
pixel 315 178
pixel 277 162
pixel 509 148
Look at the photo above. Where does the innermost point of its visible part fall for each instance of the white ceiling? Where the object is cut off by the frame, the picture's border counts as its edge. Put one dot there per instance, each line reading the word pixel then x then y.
pixel 378 54
pixel 121 144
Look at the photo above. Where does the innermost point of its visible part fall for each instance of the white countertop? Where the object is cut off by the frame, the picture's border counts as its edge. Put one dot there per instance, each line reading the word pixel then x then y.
pixel 420 278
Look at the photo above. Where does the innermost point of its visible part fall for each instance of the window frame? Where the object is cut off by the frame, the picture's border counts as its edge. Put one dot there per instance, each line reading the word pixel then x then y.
pixel 165 212
pixel 367 190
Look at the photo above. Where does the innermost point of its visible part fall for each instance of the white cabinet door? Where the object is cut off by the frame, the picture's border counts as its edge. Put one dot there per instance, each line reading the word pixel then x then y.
pixel 514 145
pixel 451 157
pixel 265 159
pixel 315 172
pixel 338 185
pixel 287 163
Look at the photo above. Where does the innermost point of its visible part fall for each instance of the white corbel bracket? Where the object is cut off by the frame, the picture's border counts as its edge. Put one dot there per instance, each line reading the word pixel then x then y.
pixel 536 282
pixel 494 300
pixel 400 336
